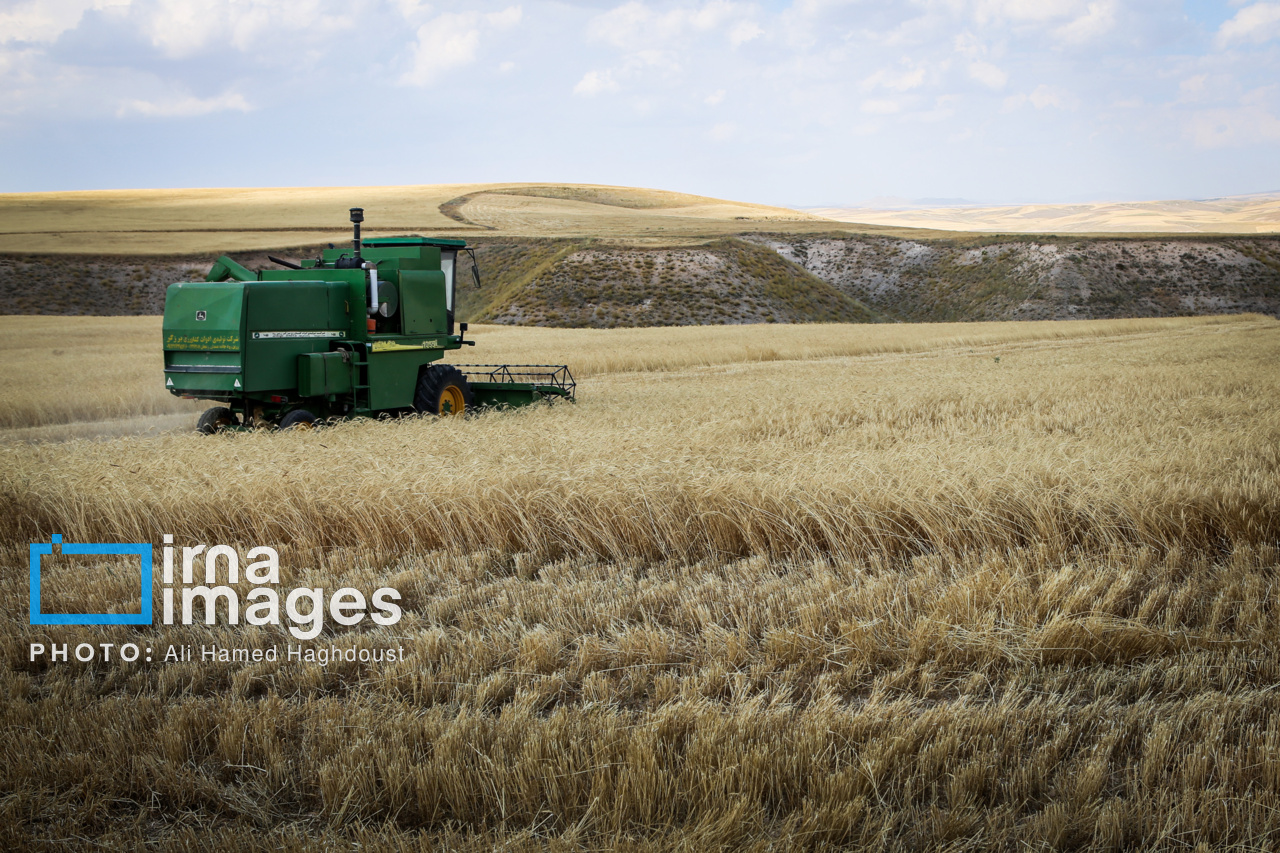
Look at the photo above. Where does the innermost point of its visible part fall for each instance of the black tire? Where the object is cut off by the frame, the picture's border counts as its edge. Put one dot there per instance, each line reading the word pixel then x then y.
pixel 298 419
pixel 216 420
pixel 442 390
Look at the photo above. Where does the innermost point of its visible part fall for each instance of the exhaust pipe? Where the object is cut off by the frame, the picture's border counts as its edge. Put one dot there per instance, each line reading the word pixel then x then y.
pixel 357 216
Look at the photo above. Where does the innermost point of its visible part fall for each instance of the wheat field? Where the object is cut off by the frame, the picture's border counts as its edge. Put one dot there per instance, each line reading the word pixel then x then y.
pixel 70 377
pixel 981 587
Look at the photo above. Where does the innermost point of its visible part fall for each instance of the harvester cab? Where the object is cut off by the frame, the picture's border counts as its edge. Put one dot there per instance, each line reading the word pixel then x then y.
pixel 356 332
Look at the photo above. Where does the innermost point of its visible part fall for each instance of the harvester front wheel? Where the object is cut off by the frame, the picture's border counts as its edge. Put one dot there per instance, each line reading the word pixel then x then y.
pixel 442 390
pixel 298 419
pixel 216 420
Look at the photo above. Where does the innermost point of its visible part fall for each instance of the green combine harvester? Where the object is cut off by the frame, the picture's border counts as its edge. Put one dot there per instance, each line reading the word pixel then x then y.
pixel 354 333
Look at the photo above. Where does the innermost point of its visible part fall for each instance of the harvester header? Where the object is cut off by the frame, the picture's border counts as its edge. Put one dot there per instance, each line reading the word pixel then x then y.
pixel 353 333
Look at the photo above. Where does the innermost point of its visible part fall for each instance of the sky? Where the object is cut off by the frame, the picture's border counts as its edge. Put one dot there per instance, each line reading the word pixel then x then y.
pixel 806 103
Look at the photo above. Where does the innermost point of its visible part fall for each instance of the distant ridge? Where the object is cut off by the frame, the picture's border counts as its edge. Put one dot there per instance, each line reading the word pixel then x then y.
pixel 1255 213
pixel 890 202
pixel 184 221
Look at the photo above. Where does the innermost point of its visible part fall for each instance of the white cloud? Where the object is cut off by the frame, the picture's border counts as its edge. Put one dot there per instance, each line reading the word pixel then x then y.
pixel 1031 11
pixel 744 31
pixel 184 29
pixel 1045 96
pixel 1257 23
pixel 723 132
pixel 185 106
pixel 1219 90
pixel 504 67
pixel 941 111
pixel 445 42
pixel 900 81
pixel 451 40
pixel 966 44
pixel 505 19
pixel 1250 120
pixel 988 74
pixel 652 58
pixel 26 84
pixel 813 8
pixel 634 25
pixel 880 107
pixel 595 83
pixel 1192 88
pixel 714 98
pixel 1234 127
pixel 180 28
pixel 632 67
pixel 1071 21
pixel 1098 20
pixel 618 26
pixel 412 11
pixel 45 20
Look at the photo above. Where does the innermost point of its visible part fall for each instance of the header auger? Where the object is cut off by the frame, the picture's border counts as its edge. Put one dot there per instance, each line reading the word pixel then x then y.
pixel 353 333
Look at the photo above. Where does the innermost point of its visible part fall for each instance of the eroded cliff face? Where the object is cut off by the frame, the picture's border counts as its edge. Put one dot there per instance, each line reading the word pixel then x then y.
pixel 760 279
pixel 724 282
pixel 885 279
pixel 1025 279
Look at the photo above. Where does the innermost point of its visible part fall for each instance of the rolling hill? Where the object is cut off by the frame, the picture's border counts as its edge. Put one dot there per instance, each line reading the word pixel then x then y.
pixel 202 221
pixel 1258 213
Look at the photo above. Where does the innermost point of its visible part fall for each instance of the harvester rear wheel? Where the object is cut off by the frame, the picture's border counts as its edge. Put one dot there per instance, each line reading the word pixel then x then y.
pixel 298 419
pixel 442 390
pixel 216 420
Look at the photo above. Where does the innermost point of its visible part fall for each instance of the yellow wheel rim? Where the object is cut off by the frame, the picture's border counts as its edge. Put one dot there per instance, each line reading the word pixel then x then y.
pixel 451 401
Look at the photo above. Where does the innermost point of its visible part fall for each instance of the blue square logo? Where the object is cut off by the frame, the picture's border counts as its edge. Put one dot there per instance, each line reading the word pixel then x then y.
pixel 142 550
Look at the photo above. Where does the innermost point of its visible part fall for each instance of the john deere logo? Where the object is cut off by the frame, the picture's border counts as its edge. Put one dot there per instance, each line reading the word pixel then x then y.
pixel 200 315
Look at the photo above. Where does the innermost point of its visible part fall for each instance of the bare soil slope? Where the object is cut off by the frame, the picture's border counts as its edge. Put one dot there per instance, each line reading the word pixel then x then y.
pixel 577 283
pixel 1045 278
pixel 755 279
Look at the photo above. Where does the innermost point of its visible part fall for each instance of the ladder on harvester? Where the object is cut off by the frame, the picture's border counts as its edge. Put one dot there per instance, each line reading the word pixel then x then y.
pixel 360 381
